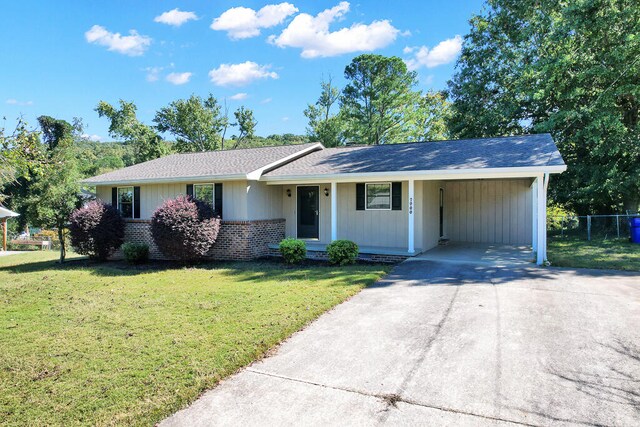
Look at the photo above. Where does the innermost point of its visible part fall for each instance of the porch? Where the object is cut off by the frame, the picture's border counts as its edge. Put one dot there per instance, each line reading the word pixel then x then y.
pixel 471 213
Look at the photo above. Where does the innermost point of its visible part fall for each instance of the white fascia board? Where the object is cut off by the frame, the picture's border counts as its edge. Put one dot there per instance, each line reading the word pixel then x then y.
pixel 200 178
pixel 256 174
pixel 450 174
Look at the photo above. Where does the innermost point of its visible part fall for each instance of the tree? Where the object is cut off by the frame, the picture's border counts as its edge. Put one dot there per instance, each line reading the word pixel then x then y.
pixel 148 145
pixel 54 130
pixel 246 125
pixel 569 69
pixel 324 126
pixel 378 101
pixel 430 118
pixel 195 122
pixel 56 194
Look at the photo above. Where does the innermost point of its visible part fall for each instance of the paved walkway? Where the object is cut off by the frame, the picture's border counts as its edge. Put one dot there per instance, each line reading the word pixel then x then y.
pixel 6 253
pixel 451 344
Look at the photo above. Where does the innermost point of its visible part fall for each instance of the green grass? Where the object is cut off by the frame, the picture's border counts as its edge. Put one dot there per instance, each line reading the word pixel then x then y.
pixel 109 344
pixel 614 254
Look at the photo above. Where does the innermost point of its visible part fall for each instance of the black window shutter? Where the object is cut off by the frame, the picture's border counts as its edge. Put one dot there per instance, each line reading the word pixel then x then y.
pixel 114 197
pixel 218 198
pixel 190 190
pixel 396 196
pixel 360 196
pixel 136 202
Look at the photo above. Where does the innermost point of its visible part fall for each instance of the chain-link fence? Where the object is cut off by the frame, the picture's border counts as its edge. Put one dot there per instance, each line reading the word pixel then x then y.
pixel 590 227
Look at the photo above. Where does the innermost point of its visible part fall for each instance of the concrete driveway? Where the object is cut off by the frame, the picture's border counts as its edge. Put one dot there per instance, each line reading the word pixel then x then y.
pixel 452 344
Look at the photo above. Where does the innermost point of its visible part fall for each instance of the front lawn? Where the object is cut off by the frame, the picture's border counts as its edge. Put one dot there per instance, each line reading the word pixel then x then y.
pixel 615 254
pixel 109 344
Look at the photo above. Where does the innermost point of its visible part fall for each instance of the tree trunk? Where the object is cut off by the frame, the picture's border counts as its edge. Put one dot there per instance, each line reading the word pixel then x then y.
pixel 63 249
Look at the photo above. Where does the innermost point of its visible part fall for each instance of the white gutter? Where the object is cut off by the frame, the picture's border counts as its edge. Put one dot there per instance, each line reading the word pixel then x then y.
pixel 198 178
pixel 447 174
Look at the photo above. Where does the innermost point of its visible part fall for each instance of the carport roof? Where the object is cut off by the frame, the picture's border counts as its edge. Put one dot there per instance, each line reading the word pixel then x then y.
pixel 464 154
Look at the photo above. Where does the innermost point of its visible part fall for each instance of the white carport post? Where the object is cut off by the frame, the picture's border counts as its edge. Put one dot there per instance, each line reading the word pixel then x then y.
pixel 541 202
pixel 334 211
pixel 534 215
pixel 411 218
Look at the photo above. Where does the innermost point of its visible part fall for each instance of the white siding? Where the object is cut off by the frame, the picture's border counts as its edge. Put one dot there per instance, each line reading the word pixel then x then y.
pixel 264 201
pixel 234 197
pixel 431 214
pixel 488 211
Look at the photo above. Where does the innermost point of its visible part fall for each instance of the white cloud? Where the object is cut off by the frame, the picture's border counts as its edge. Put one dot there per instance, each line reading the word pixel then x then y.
pixel 240 74
pixel 12 101
pixel 94 137
pixel 443 53
pixel 285 119
pixel 175 17
pixel 178 78
pixel 133 45
pixel 266 101
pixel 239 96
pixel 243 22
pixel 153 73
pixel 312 34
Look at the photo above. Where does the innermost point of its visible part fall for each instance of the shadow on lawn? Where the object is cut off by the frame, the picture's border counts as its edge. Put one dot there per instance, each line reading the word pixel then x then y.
pixel 250 271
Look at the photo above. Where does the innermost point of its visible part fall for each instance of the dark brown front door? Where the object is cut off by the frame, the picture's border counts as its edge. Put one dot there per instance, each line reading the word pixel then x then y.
pixel 308 212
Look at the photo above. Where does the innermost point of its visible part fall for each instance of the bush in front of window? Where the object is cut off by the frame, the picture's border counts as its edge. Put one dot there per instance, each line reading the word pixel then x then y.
pixel 136 253
pixel 342 252
pixel 184 228
pixel 293 251
pixel 96 230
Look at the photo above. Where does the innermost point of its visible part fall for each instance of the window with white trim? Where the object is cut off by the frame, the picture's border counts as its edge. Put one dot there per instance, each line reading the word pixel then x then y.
pixel 125 201
pixel 204 193
pixel 378 196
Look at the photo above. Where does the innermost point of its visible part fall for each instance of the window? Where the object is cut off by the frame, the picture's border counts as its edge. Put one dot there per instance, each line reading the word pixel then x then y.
pixel 204 193
pixel 125 201
pixel 379 196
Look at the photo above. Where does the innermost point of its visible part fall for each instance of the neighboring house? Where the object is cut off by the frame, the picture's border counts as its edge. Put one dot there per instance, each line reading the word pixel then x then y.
pixel 394 201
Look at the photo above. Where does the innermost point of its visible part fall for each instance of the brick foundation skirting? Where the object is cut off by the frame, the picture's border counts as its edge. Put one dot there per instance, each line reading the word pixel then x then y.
pixel 237 240
pixel 322 255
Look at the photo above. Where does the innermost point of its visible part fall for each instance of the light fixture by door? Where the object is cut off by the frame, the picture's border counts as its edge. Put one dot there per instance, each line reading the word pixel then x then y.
pixel 326 192
pixel 288 192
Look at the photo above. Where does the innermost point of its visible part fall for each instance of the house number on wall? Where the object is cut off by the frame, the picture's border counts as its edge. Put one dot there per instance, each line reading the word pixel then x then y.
pixel 410 205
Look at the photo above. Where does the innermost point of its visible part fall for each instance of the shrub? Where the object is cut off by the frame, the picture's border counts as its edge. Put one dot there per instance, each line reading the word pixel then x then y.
pixel 293 251
pixel 342 252
pixel 185 228
pixel 96 230
pixel 136 253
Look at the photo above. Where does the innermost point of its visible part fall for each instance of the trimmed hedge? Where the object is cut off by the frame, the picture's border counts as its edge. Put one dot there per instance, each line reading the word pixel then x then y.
pixel 185 228
pixel 136 253
pixel 96 230
pixel 342 252
pixel 293 251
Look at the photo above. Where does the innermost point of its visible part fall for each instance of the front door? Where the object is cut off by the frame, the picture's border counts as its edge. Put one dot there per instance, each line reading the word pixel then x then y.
pixel 308 211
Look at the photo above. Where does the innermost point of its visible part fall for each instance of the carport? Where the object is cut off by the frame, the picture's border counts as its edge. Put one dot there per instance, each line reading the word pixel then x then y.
pixel 490 221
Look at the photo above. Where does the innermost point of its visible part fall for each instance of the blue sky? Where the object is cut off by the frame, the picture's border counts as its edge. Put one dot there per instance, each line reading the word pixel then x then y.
pixel 61 58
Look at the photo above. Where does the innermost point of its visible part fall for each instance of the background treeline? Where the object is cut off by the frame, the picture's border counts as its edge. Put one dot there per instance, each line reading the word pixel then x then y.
pixel 569 69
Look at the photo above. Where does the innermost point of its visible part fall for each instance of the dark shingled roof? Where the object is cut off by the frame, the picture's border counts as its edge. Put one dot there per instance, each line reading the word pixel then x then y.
pixel 482 153
pixel 224 163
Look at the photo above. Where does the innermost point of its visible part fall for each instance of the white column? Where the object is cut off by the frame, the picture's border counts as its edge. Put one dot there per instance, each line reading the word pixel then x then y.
pixel 542 226
pixel 534 215
pixel 334 211
pixel 544 221
pixel 411 218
